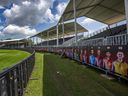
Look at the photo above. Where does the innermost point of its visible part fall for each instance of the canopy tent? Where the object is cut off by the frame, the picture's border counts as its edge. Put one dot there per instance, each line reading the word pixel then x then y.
pixel 105 11
pixel 68 30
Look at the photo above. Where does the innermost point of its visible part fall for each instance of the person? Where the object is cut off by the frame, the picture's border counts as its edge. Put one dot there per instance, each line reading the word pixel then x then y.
pixel 92 58
pixel 81 55
pixel 119 65
pixel 85 57
pixel 107 61
pixel 99 59
pixel 77 55
pixel 71 53
pixel 63 54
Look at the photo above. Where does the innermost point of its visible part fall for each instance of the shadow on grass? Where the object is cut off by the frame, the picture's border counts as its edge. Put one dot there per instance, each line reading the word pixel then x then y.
pixel 64 77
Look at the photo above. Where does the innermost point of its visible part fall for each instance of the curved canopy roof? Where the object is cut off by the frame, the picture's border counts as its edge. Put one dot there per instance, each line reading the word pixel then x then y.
pixel 105 11
pixel 13 41
pixel 68 30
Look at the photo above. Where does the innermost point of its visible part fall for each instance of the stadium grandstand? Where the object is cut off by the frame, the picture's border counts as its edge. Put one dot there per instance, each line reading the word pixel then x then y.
pixel 75 64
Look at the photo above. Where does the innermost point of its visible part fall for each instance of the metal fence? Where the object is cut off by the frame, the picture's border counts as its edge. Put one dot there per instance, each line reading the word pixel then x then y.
pixel 117 40
pixel 13 81
pixel 111 40
pixel 92 42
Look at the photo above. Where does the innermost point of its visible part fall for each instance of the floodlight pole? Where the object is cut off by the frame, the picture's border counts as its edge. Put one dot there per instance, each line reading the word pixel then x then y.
pixel 126 12
pixel 75 22
pixel 63 28
pixel 57 35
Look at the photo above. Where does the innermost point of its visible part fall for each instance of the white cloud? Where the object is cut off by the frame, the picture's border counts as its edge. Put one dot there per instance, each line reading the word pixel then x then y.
pixel 49 15
pixel 23 16
pixel 27 13
pixel 53 18
pixel 18 32
pixel 61 7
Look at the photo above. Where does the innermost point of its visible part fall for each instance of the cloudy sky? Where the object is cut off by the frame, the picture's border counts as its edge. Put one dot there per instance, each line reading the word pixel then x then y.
pixel 23 18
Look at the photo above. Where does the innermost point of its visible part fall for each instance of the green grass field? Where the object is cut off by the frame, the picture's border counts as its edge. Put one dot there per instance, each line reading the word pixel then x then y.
pixel 35 87
pixel 64 77
pixel 10 57
pixel 55 76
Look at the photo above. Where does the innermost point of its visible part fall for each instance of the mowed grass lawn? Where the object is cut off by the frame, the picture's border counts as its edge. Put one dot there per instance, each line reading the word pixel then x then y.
pixel 11 57
pixel 35 87
pixel 63 77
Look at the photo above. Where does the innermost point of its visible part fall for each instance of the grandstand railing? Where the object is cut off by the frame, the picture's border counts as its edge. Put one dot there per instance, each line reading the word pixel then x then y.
pixel 106 28
pixel 13 81
pixel 117 40
pixel 94 42
pixel 121 39
pixel 111 40
pixel 71 41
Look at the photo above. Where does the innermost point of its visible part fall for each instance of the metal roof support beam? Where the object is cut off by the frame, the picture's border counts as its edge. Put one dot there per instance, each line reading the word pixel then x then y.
pixel 75 23
pixel 41 40
pixel 126 12
pixel 57 35
pixel 17 44
pixel 48 39
pixel 27 40
pixel 25 44
pixel 36 41
pixel 63 28
pixel 32 41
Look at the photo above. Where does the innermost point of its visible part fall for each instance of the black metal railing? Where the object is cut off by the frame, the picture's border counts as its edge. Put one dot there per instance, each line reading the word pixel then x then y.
pixel 13 81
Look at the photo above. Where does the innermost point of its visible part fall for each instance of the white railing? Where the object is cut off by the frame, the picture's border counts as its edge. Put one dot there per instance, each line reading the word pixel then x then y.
pixel 94 42
pixel 2 45
pixel 70 42
pixel 117 40
pixel 111 40
pixel 106 28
